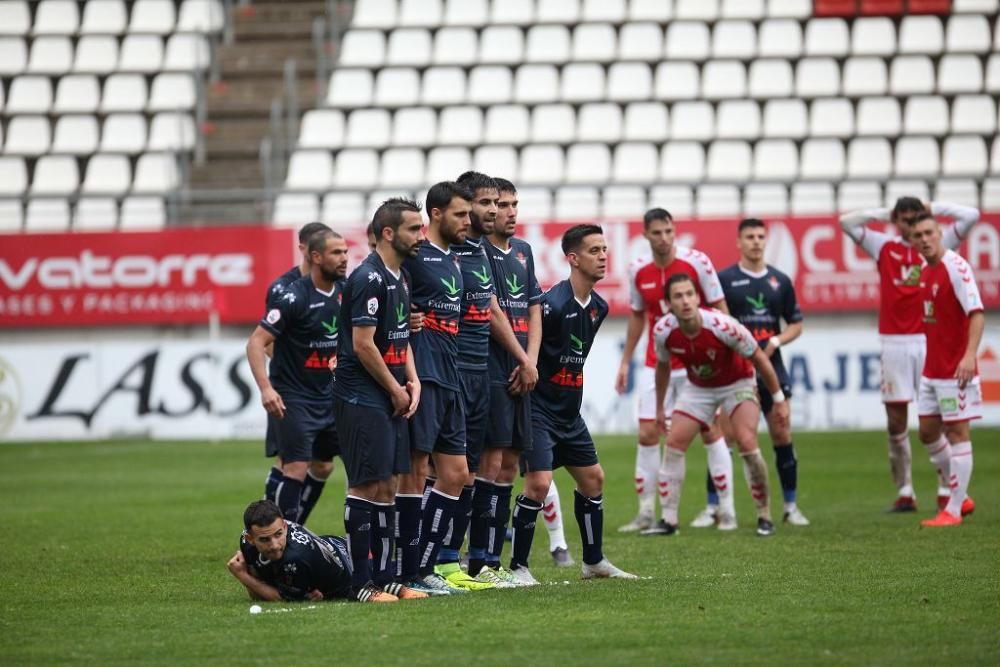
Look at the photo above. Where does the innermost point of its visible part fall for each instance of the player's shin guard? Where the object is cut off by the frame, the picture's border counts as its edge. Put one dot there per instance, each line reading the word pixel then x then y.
pixel 525 515
pixel 647 462
pixel 407 535
pixel 358 516
pixel 288 497
pixel 274 478
pixel 900 458
pixel 434 525
pixel 755 471
pixel 961 473
pixel 383 537
pixel 590 517
pixel 483 507
pixel 788 471
pixel 720 471
pixel 455 537
pixel 940 456
pixel 498 524
pixel 311 492
pixel 552 513
pixel 672 470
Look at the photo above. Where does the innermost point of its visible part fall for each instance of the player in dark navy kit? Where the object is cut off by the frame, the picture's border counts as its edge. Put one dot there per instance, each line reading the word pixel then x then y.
pixel 303 325
pixel 274 292
pixel 572 313
pixel 759 296
pixel 376 390
pixel 282 560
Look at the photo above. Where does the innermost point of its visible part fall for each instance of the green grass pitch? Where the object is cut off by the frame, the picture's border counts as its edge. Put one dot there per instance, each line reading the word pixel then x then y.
pixel 114 553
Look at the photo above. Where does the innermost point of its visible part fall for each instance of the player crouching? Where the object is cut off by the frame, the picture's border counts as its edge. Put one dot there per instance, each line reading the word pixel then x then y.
pixel 720 355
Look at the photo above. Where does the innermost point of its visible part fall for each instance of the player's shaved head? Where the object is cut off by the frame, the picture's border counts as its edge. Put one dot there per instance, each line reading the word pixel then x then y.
pixel 261 513
pixel 311 228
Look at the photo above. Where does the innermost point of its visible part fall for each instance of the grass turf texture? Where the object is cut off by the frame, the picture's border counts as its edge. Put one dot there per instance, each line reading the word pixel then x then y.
pixel 115 553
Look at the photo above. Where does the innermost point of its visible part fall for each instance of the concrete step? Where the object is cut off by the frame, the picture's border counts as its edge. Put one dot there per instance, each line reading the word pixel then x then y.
pixel 266 58
pixel 224 173
pixel 220 213
pixel 235 137
pixel 278 12
pixel 251 98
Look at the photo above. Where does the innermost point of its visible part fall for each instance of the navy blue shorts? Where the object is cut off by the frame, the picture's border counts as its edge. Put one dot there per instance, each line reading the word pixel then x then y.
pixel 307 432
pixel 438 425
pixel 510 420
pixel 475 390
pixel 556 445
pixel 271 437
pixel 373 444
pixel 784 380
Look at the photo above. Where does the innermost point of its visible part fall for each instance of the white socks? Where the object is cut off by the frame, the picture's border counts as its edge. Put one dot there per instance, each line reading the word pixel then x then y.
pixel 900 458
pixel 940 455
pixel 961 473
pixel 671 483
pixel 552 513
pixel 720 467
pixel 647 462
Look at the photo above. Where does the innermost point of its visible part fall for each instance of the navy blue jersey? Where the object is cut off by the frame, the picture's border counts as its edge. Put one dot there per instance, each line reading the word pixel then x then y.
pixel 568 332
pixel 278 286
pixel 373 297
pixel 760 302
pixel 436 290
pixel 474 329
pixel 516 289
pixel 305 323
pixel 310 562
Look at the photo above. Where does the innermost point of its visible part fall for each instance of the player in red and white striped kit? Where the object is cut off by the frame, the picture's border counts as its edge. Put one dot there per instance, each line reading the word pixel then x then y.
pixel 719 355
pixel 647 278
pixel 900 328
pixel 950 394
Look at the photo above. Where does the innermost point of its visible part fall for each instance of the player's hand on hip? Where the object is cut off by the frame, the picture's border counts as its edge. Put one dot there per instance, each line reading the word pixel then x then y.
pixel 661 420
pixel 416 320
pixel 400 401
pixel 272 402
pixel 413 391
pixel 621 379
pixel 966 371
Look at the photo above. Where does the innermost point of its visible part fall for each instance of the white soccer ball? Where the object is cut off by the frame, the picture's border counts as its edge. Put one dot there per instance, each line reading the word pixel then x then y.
pixel 256 609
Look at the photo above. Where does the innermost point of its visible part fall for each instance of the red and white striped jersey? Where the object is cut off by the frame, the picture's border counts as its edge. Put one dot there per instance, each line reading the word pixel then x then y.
pixel 647 282
pixel 950 295
pixel 717 356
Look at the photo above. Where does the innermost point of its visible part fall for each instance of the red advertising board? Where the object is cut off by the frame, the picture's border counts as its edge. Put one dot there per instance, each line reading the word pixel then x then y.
pixel 176 276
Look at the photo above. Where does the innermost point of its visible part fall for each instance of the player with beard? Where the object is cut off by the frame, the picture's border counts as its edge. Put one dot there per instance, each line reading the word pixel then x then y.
pixel 303 326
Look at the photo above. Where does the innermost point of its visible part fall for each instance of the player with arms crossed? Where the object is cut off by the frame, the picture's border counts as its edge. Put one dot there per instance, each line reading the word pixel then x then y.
pixel 900 330
pixel 719 355
pixel 950 392
pixel 572 313
pixel 303 326
pixel 647 281
pixel 759 296
pixel 376 390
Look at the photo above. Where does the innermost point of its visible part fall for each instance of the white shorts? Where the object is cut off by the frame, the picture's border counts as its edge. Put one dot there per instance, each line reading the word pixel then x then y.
pixel 943 398
pixel 902 364
pixel 701 403
pixel 646 384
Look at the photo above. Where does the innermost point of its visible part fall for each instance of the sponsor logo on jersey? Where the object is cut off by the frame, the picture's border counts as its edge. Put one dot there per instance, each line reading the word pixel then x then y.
pixel 317 361
pixel 566 378
pixel 759 304
pixel 375 276
pixel 648 286
pixel 401 316
pixel 514 287
pixel 929 312
pixel 475 314
pixel 575 345
pixel 703 371
pixel 451 286
pixel 483 275
pixel 394 356
pixel 331 328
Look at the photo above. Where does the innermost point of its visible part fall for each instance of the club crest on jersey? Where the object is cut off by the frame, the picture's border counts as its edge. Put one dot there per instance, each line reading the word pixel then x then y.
pixel 711 354
pixel 929 311
pixel 521 258
pixel 273 316
pixel 934 290
pixel 593 316
pixel 773 282
pixel 372 306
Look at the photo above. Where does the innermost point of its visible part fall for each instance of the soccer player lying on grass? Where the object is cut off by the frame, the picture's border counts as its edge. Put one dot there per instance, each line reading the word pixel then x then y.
pixel 720 355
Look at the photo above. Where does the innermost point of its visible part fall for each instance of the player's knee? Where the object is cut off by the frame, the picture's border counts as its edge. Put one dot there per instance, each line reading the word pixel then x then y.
pixel 929 431
pixel 648 433
pixel 956 432
pixel 321 469
pixel 536 486
pixel 295 469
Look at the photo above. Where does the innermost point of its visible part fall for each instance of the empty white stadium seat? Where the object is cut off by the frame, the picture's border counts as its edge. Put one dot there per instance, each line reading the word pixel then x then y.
pixel 397 87
pixel 362 48
pixel 410 47
pixel 553 123
pixel 737 119
pixel 77 93
pixel 577 203
pixel 779 38
pixel 789 8
pixel 879 116
pixel 55 175
pixel 15 18
pixel 869 157
pixel 501 45
pixel 678 199
pixel 692 120
pixel 635 163
pixel 812 199
pixel 961 191
pixel 507 124
pixel 186 52
pixel 375 13
pixel 734 39
pixel 170 131
pixel 964 156
pixel 990 198
pixel 717 201
pixel 347 208
pixel 646 121
pixel 976 6
pixel 640 41
pixel 761 199
pixel 356 168
pixel 205 16
pixel 153 16
pixel 541 164
pixel 13 55
pixel 97 54
pixel 582 82
pixel 775 160
pixel 916 156
pixel 624 201
pixel 925 115
pixel 172 92
pixel 13 175
pixel 873 36
pixel 107 175
pixel 599 122
pixel 150 213
pixel 141 53
pixel 723 78
pixel 547 44
pixel 865 76
pixel 534 203
pixel 588 163
pixel 47 215
pixel 975 114
pixel 742 9
pixel 462 126
pixel 499 160
pixel 770 78
pixel 30 94
pixel 911 75
pixel 628 82
pixel 443 86
pixel 993 73
pixel 921 34
pixel 414 126
pixel 401 167
pixel 968 34
pixel 831 118
pixel 729 161
pixel 852 196
pixel 445 164
pixel 124 133
pixel 28 135
pixel 104 17
pixel 594 42
pixel 534 84
pixel 368 128
pixel 50 55
pixel 603 10
pixel 75 135
pixel 156 173
pixel 822 159
pixel 817 77
pixel 56 17
pixel 490 85
pixel 827 37
pixel 424 13
pixel 95 214
pixel 650 10
pixel 466 12
pixel 960 74
pixel 682 161
pixel 310 170
pixel 677 81
pixel 687 40
pixel 455 46
pixel 557 11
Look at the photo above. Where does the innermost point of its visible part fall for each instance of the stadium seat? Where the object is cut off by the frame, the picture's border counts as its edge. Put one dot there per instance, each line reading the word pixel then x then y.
pixel 446 163
pixel 976 6
pixel 500 160
pixel 775 160
pixel 343 208
pixel 466 12
pixel 13 176
pixel 402 167
pixel 873 36
pixel 75 135
pixel 995 157
pixel 536 84
pixel 124 133
pixel 865 76
pixel 831 118
pixel 124 92
pixel 916 157
pixel 798 9
pixel 967 34
pixel 104 17
pixel 603 10
pixel 911 75
pixel 723 78
pixel 737 119
pixel 588 163
pixel 547 44
pixel 822 159
pixel 960 191
pixel 879 116
pixel 50 55
pixel 624 201
pixel 687 40
pixel 141 53
pixel 761 199
pixel 513 12
pixel 107 175
pixel 156 17
pixel 96 54
pixel 443 86
pixel 645 121
pixel 56 17
pixel 170 131
pixel 921 34
pixel 310 170
pixel 594 42
pixel 553 123
pixel 960 74
pixel 13 56
pixel 634 163
pixel 187 52
pixel 659 11
pixel 95 214
pixel 534 203
pixel 925 115
pixel 507 124
pixel 640 41
pixel 410 47
pixel 47 215
pixel 729 161
pixel 421 13
pixel 156 173
pixel 55 175
pixel 455 46
pixel 852 196
pixel 993 73
pixel 817 77
pixel 869 157
pixel 541 164
pixel 599 122
pixel 692 120
pixel 973 114
pixel 501 45
pixel 742 9
pixel 676 81
pixel 582 82
pixel 577 203
pixel 964 156
pixel 362 48
pixel 397 87
pixel 172 92
pixel 490 85
pixel 356 168
pixel 770 78
pixel 785 118
pixel 990 200
pixel 812 199
pixel 557 11
pixel 414 126
pixel 28 135
pixel 76 93
pixel 734 39
pixel 461 126
pixel 375 14
pixel 150 213
pixel 203 16
pixel 682 161
pixel 628 82
pixel 15 19
pixel 678 199
pixel 30 94
pixel 717 201
pixel 779 38
pixel 827 37
pixel 368 128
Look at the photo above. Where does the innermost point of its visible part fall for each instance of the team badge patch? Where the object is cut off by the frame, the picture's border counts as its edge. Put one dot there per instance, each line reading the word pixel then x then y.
pixel 273 316
pixel 372 306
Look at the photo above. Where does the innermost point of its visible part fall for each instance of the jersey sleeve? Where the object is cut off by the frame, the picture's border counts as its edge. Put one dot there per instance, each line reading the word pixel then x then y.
pixel 789 303
pixel 661 330
pixel 369 300
pixel 285 308
pixel 534 289
pixel 735 335
pixel 708 278
pixel 634 297
pixel 854 225
pixel 964 218
pixel 964 284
